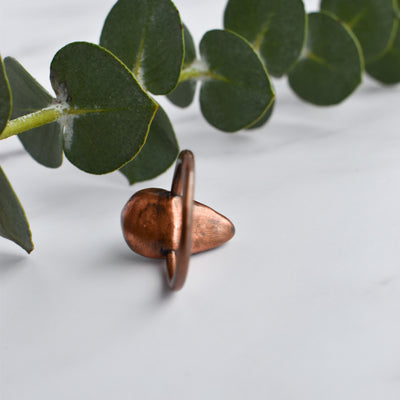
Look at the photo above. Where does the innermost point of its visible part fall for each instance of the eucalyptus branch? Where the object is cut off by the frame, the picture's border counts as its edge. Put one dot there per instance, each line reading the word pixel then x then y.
pixel 199 71
pixel 31 121
pixel 198 74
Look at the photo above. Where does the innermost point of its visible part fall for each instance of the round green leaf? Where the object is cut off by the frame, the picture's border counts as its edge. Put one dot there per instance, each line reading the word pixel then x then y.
pixel 44 144
pixel 275 28
pixel 13 223
pixel 183 94
pixel 264 119
pixel 236 90
pixel 5 97
pixel 190 48
pixel 108 114
pixel 372 21
pixel 158 153
pixel 331 64
pixel 387 68
pixel 147 36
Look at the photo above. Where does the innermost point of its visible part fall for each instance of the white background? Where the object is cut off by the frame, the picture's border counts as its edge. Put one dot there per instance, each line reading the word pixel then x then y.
pixel 303 303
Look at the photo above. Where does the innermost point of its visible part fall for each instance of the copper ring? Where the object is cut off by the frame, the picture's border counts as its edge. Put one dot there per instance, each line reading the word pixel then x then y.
pixel 182 185
pixel 167 225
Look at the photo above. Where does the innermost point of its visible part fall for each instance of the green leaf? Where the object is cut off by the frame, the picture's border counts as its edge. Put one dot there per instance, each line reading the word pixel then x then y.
pixel 372 21
pixel 5 97
pixel 264 119
pixel 387 68
pixel 275 28
pixel 147 36
pixel 236 90
pixel 158 153
pixel 183 94
pixel 190 48
pixel 13 222
pixel 108 114
pixel 44 144
pixel 331 64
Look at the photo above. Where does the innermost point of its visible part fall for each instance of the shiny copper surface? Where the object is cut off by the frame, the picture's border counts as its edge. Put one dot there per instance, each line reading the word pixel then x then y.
pixel 182 183
pixel 161 224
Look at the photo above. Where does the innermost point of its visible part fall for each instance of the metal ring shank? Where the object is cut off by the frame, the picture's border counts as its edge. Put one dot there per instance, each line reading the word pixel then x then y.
pixel 182 184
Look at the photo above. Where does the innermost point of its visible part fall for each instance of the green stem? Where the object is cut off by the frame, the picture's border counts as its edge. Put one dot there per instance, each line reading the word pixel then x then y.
pixel 195 73
pixel 30 121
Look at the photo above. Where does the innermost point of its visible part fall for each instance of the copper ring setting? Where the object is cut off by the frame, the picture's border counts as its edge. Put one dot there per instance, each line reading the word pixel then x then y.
pixel 169 224
pixel 182 184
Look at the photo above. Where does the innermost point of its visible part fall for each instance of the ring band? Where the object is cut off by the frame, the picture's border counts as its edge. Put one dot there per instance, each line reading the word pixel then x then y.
pixel 182 185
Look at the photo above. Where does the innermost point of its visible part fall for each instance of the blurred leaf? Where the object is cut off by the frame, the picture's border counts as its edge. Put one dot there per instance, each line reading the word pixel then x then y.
pixel 190 48
pixel 183 94
pixel 44 144
pixel 387 68
pixel 147 36
pixel 5 97
pixel 372 21
pixel 331 65
pixel 237 90
pixel 275 28
pixel 13 222
pixel 264 119
pixel 158 153
pixel 109 115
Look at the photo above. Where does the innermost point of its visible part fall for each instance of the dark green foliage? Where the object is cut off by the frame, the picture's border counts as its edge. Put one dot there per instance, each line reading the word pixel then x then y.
pixel 373 22
pixel 147 37
pixel 275 28
pixel 44 144
pixel 158 153
pixel 13 222
pixel 5 97
pixel 331 65
pixel 108 113
pixel 183 95
pixel 387 68
pixel 237 90
pixel 264 119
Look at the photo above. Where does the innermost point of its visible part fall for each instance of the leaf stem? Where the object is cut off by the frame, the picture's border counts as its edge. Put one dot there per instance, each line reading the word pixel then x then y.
pixel 33 120
pixel 198 70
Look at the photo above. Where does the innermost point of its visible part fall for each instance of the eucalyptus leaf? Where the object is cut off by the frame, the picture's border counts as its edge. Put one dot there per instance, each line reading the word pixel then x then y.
pixel 374 22
pixel 147 36
pixel 264 119
pixel 44 144
pixel 183 94
pixel 13 222
pixel 5 97
pixel 387 68
pixel 275 28
pixel 107 114
pixel 158 153
pixel 190 48
pixel 236 90
pixel 331 64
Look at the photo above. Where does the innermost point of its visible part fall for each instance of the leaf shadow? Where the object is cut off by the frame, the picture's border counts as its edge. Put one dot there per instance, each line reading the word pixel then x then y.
pixel 10 261
pixel 11 154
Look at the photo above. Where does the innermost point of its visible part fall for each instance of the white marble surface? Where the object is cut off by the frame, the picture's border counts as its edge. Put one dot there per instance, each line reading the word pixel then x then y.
pixel 303 303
